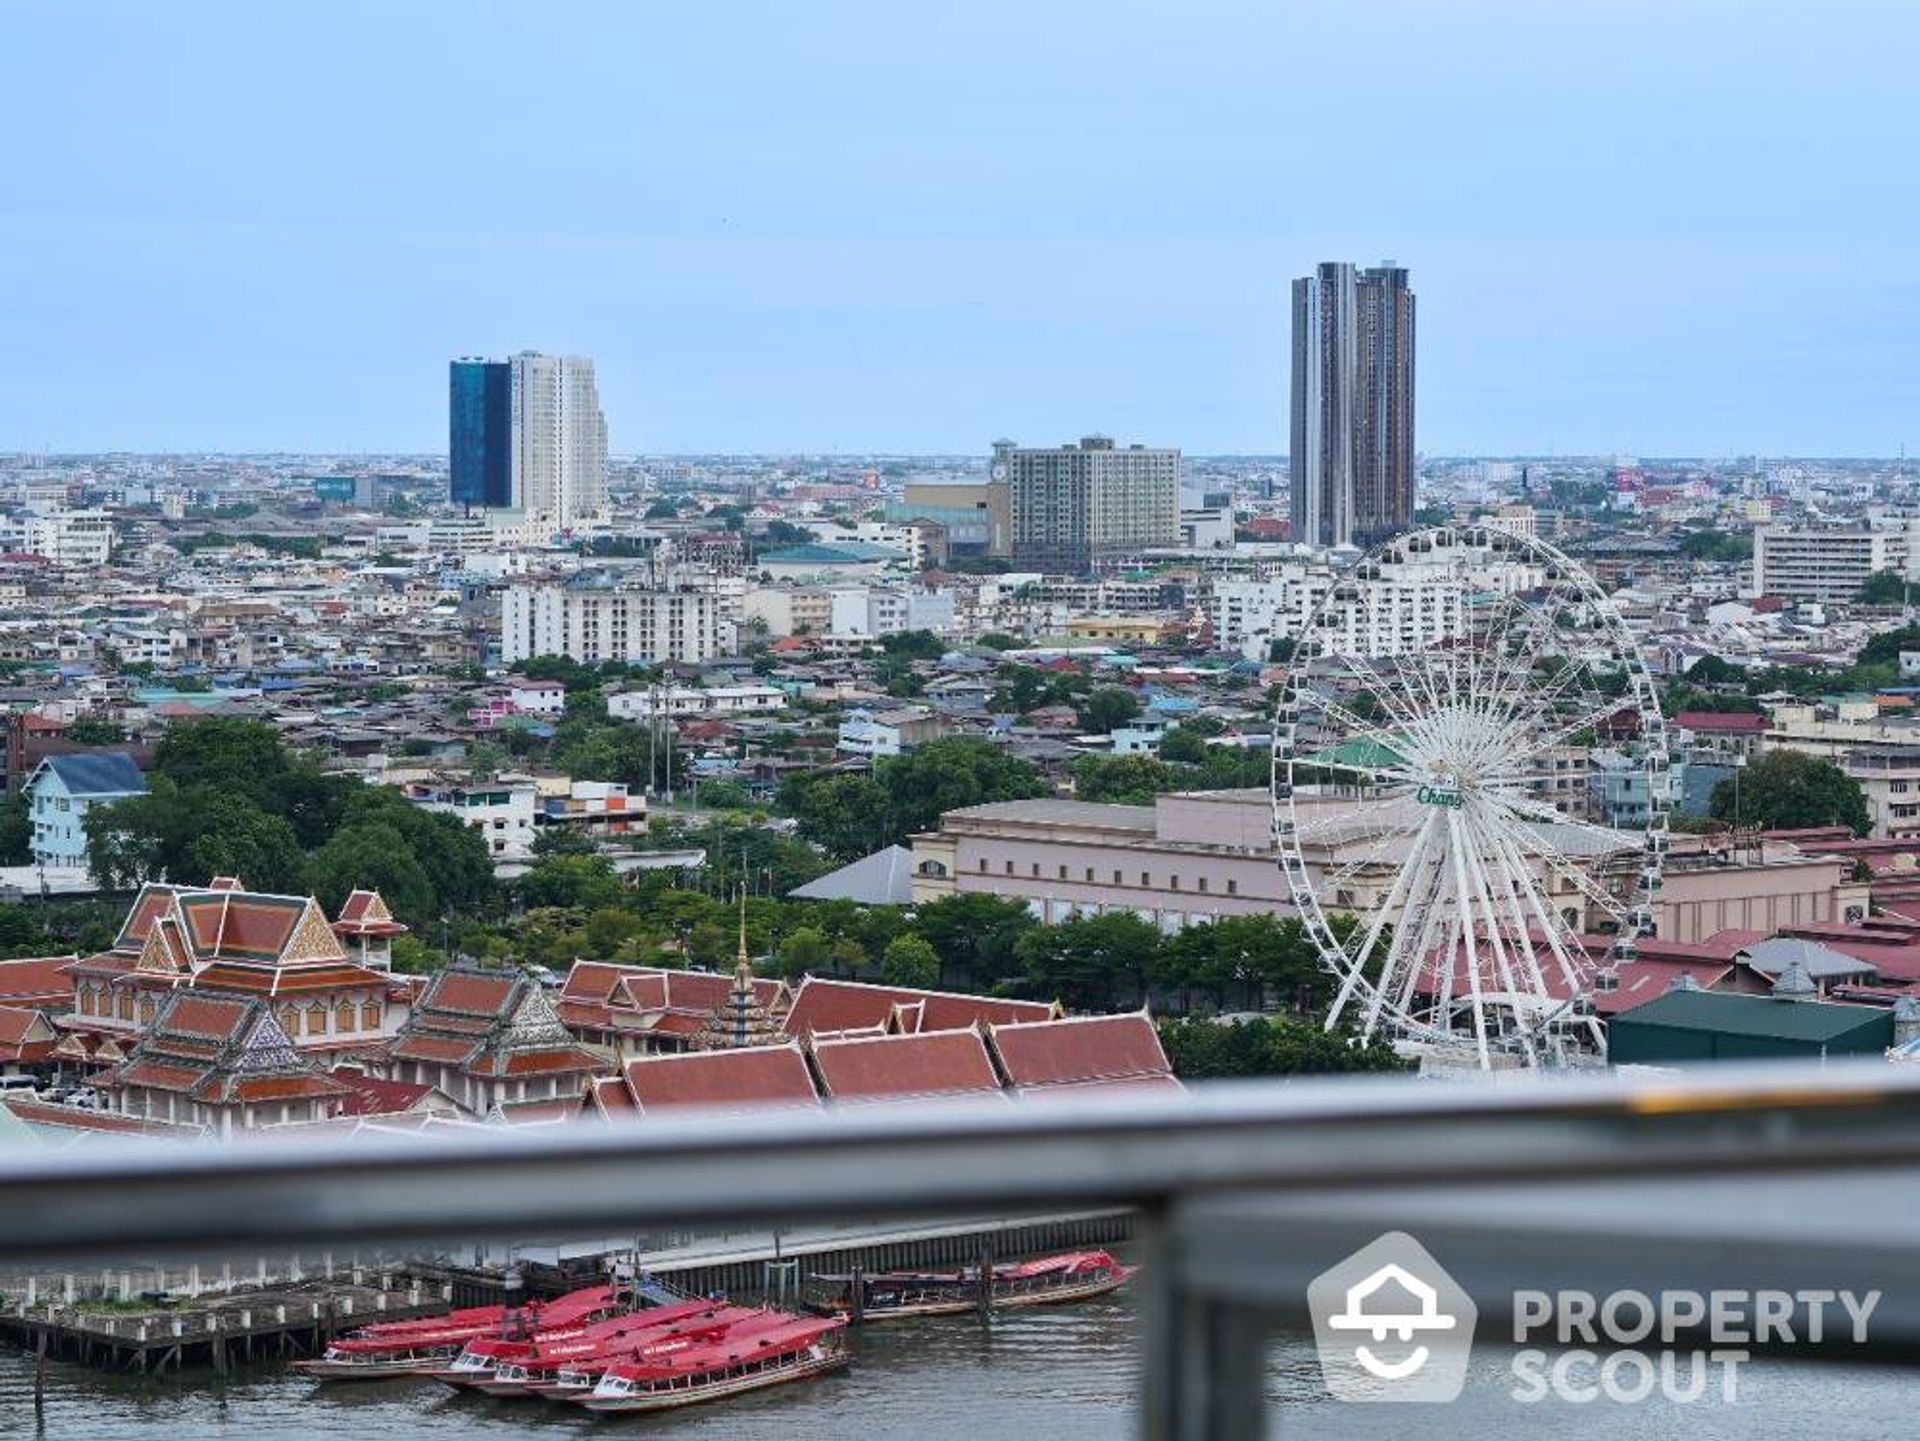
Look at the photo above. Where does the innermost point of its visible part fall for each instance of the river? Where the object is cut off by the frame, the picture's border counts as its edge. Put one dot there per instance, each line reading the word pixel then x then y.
pixel 1044 1375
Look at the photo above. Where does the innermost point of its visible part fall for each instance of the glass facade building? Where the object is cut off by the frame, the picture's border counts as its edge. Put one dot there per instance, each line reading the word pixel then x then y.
pixel 480 432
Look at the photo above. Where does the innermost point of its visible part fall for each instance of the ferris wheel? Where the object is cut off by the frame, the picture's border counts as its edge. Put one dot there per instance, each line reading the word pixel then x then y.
pixel 1434 797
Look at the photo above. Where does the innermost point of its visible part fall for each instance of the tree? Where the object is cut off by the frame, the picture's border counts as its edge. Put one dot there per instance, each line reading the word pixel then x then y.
pixel 852 816
pixel 1128 780
pixel 373 856
pixel 1711 670
pixel 1717 546
pixel 91 731
pixel 1201 1050
pixel 1884 587
pixel 1090 963
pixel 1184 746
pixel 190 836
pixel 16 830
pixel 914 645
pixel 910 961
pixel 1000 640
pixel 724 795
pixel 804 951
pixel 944 775
pixel 1791 790
pixel 573 882
pixel 974 934
pixel 1105 708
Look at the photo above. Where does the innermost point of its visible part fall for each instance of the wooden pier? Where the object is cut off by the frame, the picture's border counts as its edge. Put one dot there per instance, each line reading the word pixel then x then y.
pixel 220 1330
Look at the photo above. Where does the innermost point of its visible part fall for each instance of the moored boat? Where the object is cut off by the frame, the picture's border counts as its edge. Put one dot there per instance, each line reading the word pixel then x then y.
pixel 516 1371
pixel 581 1373
pixel 795 1351
pixel 1050 1280
pixel 427 1344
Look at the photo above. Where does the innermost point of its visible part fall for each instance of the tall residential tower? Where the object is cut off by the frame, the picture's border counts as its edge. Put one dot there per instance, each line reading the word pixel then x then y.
pixel 1351 455
pixel 527 434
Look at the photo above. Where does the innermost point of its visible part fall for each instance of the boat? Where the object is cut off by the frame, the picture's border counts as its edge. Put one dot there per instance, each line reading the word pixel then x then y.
pixel 426 1344
pixel 1050 1280
pixel 1054 1280
pixel 795 1351
pixel 568 1316
pixel 581 1374
pixel 515 1372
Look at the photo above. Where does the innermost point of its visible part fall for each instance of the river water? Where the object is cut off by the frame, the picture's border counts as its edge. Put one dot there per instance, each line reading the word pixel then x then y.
pixel 1065 1374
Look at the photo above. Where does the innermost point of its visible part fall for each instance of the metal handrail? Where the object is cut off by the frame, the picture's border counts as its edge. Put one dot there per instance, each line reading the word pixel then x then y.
pixel 1082 1148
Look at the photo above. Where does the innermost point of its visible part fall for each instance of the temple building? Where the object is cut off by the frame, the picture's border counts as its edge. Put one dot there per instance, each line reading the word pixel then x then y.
pixel 741 1019
pixel 222 1062
pixel 628 1011
pixel 222 939
pixel 491 1041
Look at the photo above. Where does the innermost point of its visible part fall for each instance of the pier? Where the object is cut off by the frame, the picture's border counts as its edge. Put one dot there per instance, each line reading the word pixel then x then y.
pixel 106 1323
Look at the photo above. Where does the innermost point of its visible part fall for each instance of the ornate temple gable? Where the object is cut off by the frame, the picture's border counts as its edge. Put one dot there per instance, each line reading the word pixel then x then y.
pixel 163 950
pixel 267 1047
pixel 313 939
pixel 371 908
pixel 154 901
pixel 535 1023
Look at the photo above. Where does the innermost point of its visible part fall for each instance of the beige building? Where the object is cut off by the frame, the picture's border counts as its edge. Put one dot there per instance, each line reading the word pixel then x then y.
pixel 1197 856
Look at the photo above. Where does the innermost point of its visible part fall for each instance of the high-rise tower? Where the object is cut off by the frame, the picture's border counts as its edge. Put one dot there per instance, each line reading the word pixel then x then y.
pixel 1351 454
pixel 527 434
pixel 480 432
pixel 559 438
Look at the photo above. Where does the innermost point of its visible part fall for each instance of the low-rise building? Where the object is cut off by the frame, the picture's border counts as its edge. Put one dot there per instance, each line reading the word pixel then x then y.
pixel 503 809
pixel 60 792
pixel 889 732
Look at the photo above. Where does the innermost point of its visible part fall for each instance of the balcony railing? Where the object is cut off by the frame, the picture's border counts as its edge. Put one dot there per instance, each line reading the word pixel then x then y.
pixel 1734 1178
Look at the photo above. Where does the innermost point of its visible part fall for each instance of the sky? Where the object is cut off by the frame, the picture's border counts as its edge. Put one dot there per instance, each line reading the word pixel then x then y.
pixel 1652 227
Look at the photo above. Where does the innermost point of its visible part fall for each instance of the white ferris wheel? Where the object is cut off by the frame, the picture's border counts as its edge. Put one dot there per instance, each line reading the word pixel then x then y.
pixel 1431 797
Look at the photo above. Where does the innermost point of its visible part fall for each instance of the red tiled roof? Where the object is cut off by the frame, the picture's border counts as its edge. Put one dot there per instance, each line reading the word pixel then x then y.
pixel 1704 722
pixel 18 1042
pixel 269 980
pixel 159 1075
pixel 753 1078
pixel 938 1063
pixel 471 993
pixel 273 1088
pixel 72 1118
pixel 823 1007
pixel 431 1048
pixel 1082 1049
pixel 372 1096
pixel 206 1016
pixel 36 981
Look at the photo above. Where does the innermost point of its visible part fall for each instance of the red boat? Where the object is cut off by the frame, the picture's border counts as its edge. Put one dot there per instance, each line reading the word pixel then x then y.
pixel 794 1351
pixel 568 1316
pixel 417 1347
pixel 1051 1280
pixel 544 1355
pixel 580 1375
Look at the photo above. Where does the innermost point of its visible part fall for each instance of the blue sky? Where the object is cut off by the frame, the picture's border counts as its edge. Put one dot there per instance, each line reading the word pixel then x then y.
pixel 1653 226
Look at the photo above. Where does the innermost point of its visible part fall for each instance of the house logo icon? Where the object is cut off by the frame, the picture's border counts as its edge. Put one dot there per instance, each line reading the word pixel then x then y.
pixel 1391 1325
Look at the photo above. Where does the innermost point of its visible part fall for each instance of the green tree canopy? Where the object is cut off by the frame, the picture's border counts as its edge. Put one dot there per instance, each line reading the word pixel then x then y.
pixel 1790 790
pixel 909 961
pixel 1884 587
pixel 1204 1050
pixel 1105 708
pixel 572 882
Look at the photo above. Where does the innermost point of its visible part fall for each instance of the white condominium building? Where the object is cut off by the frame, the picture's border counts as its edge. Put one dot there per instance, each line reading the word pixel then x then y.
pixel 559 439
pixel 1828 565
pixel 594 623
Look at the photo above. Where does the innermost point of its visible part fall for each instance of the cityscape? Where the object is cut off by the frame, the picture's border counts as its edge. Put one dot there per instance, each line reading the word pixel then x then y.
pixel 1160 918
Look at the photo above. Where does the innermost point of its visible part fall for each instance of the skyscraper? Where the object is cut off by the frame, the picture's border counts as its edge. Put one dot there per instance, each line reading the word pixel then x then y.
pixel 1351 456
pixel 528 434
pixel 559 438
pixel 480 432
pixel 1074 506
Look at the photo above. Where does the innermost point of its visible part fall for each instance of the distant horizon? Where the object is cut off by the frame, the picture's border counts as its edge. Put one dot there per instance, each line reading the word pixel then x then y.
pixel 864 228
pixel 1638 458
